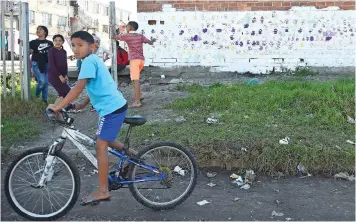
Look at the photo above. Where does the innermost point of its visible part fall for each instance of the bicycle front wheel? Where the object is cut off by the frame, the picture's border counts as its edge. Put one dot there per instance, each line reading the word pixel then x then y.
pixel 54 198
pixel 180 170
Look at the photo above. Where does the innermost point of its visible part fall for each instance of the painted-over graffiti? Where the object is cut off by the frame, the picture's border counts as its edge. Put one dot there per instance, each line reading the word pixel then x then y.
pixel 255 41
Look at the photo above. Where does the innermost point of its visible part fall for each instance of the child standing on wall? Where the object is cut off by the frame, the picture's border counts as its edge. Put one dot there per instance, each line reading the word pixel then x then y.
pixel 135 42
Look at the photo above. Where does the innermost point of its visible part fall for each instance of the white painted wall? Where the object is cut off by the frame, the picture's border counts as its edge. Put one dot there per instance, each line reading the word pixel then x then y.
pixel 240 41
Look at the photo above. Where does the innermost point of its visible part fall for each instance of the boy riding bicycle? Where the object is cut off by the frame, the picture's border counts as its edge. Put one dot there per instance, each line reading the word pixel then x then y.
pixel 106 99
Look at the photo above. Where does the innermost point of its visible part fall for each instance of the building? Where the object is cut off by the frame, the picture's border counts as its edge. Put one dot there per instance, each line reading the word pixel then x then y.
pixel 249 36
pixel 93 16
pixel 64 17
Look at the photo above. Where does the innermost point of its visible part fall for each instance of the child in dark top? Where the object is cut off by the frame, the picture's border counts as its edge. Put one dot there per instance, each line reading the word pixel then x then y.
pixel 39 49
pixel 58 67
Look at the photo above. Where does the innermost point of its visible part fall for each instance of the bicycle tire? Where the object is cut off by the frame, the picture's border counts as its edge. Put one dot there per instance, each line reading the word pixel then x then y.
pixel 73 169
pixel 179 201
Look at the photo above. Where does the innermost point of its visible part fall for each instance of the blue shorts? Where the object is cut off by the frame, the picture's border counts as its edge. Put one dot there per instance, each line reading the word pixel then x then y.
pixel 109 126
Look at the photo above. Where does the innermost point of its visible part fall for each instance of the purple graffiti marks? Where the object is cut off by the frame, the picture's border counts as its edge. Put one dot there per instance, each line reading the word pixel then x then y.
pixel 181 32
pixel 328 38
pixel 205 30
pixel 246 26
pixel 233 30
pixel 232 37
pixel 218 30
pixel 195 38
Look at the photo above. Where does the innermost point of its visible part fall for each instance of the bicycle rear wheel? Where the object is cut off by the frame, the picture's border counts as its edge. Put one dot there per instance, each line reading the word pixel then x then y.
pixel 49 202
pixel 179 166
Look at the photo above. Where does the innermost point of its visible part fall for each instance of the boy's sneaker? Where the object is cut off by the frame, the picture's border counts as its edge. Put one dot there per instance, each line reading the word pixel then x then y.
pixel 92 109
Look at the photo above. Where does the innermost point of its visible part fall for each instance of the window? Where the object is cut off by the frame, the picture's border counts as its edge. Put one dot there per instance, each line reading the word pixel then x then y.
pixel 62 21
pixel 105 28
pixel 87 5
pixel 107 11
pixel 61 2
pixel 97 8
pixel 46 19
pixel 32 17
pixel 96 24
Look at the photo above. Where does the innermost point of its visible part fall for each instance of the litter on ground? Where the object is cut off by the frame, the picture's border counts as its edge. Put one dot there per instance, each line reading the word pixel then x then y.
pixel 203 202
pixel 212 120
pixel 276 214
pixel 301 168
pixel 234 176
pixel 344 176
pixel 211 184
pixel 308 175
pixel 351 142
pixel 350 120
pixel 236 199
pixel 245 187
pixel 284 141
pixel 211 174
pixel 250 176
pixel 239 181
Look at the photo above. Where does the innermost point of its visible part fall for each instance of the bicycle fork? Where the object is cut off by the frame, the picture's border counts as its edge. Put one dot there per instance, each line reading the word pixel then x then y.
pixel 51 160
pixel 48 171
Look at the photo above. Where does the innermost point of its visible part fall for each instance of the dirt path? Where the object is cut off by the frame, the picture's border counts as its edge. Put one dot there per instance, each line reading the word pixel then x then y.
pixel 309 199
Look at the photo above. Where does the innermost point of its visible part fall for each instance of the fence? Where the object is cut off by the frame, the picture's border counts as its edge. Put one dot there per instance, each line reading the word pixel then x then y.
pixel 18 14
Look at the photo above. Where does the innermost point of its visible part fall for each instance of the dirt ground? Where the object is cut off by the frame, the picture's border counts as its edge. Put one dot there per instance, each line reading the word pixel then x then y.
pixel 312 198
pixel 298 199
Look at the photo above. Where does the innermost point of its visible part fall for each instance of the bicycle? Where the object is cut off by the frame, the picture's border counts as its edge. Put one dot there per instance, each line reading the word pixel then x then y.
pixel 46 171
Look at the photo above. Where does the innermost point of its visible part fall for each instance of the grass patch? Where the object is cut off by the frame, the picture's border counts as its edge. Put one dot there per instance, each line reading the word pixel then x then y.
pixel 21 119
pixel 303 72
pixel 256 117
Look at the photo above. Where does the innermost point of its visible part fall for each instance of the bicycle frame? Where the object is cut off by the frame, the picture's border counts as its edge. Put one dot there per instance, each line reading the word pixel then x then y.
pixel 74 135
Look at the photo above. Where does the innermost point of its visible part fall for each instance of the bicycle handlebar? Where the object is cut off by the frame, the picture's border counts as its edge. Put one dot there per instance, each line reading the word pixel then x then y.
pixel 63 111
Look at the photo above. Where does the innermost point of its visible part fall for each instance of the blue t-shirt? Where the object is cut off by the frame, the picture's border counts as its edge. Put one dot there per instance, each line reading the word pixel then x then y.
pixel 101 87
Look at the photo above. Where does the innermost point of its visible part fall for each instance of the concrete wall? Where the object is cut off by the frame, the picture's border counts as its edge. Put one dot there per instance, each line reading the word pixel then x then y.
pixel 249 36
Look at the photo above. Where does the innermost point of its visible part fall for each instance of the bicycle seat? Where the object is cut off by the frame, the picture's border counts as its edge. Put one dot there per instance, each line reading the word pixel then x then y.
pixel 135 120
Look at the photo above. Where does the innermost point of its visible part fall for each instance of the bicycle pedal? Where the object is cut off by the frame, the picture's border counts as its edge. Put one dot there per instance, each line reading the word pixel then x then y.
pixel 115 186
